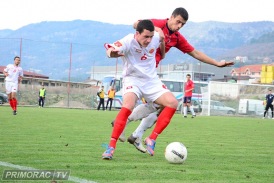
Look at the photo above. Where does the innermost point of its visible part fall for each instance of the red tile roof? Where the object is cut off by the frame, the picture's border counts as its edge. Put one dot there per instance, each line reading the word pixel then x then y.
pixel 251 68
pixel 27 74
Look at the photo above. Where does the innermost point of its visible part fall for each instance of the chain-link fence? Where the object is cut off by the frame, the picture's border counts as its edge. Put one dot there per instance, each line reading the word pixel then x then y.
pixel 64 69
pixel 57 96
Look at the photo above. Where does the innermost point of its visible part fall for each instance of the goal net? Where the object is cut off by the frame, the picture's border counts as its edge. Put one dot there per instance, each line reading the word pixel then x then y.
pixel 222 98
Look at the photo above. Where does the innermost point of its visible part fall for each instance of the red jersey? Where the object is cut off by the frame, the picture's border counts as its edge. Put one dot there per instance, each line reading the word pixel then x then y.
pixel 172 39
pixel 189 85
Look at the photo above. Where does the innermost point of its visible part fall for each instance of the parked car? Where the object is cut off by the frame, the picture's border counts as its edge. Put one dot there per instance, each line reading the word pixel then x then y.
pixel 251 107
pixel 197 107
pixel 3 98
pixel 218 108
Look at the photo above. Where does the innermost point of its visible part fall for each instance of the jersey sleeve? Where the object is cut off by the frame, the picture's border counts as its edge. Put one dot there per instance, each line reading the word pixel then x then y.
pixel 7 68
pixel 192 85
pixel 159 22
pixel 156 37
pixel 122 45
pixel 183 44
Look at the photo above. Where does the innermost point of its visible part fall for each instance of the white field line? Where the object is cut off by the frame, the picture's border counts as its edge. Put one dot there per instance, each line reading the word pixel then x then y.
pixel 71 178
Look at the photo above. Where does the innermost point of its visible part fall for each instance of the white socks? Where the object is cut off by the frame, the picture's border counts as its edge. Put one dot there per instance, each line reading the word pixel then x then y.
pixel 192 111
pixel 140 112
pixel 145 124
pixel 185 110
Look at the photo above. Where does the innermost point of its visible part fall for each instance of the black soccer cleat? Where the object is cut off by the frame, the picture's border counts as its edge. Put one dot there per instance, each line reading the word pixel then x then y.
pixel 112 123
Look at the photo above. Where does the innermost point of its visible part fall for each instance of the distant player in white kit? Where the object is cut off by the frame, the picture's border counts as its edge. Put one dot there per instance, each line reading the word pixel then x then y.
pixel 14 75
pixel 140 80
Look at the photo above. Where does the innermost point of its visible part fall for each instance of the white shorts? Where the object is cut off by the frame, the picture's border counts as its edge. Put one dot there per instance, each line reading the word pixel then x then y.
pixel 151 90
pixel 11 87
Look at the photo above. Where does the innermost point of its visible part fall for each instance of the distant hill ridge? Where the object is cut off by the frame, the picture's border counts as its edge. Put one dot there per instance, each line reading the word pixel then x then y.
pixel 47 44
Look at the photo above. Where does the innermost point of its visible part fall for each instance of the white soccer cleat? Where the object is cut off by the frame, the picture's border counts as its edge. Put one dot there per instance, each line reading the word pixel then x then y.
pixel 137 142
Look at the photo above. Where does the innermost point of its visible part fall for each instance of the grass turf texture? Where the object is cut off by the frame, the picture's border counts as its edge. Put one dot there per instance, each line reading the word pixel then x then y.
pixel 220 149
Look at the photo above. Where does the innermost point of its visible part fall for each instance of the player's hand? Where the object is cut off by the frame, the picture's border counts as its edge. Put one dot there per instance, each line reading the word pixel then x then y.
pixel 112 53
pixel 115 54
pixel 224 63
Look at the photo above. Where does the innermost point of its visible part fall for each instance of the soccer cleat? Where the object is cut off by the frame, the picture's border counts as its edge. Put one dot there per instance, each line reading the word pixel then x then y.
pixel 136 141
pixel 107 155
pixel 150 145
pixel 14 112
pixel 193 116
pixel 185 116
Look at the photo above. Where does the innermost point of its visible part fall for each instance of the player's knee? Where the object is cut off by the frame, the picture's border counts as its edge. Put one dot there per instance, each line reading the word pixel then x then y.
pixel 173 103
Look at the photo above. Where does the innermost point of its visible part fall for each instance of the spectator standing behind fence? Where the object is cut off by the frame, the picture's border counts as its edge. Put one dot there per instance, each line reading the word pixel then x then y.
pixel 111 95
pixel 42 96
pixel 269 103
pixel 101 95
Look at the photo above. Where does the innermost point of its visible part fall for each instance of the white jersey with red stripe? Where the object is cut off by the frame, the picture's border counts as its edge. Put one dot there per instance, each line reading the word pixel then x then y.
pixel 139 64
pixel 14 72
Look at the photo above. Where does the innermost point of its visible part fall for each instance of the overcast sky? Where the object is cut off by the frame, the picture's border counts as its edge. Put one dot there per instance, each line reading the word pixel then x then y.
pixel 17 13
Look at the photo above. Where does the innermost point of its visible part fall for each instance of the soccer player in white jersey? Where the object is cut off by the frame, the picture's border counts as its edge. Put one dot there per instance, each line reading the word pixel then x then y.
pixel 140 80
pixel 173 38
pixel 14 75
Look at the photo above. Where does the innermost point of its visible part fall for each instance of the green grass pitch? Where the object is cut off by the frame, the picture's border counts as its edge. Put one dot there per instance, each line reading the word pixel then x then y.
pixel 220 149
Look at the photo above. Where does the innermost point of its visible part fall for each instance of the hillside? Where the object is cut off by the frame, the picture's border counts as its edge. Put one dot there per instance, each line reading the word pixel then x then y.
pixel 256 50
pixel 52 48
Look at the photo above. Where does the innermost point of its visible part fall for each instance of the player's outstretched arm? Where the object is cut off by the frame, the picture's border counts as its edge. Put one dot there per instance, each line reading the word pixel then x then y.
pixel 112 52
pixel 206 59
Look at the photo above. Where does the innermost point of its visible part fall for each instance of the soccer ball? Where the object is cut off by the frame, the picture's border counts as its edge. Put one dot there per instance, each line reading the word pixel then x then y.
pixel 176 153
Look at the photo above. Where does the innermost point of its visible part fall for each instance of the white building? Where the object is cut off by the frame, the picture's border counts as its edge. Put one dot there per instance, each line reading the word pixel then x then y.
pixel 198 72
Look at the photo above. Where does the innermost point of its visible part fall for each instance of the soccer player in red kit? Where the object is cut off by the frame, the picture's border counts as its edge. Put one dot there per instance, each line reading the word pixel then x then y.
pixel 189 87
pixel 173 38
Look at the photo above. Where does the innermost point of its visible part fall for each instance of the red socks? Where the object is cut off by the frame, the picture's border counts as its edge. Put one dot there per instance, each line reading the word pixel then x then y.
pixel 162 122
pixel 13 104
pixel 119 125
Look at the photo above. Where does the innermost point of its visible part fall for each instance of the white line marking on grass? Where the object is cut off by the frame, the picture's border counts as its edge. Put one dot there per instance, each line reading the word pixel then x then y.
pixel 71 178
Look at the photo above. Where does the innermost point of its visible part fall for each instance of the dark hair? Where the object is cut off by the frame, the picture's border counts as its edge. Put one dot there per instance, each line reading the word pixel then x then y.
pixel 16 57
pixel 182 12
pixel 145 24
pixel 188 75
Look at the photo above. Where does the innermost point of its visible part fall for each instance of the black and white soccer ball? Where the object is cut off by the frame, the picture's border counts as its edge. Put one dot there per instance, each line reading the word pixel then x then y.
pixel 176 153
